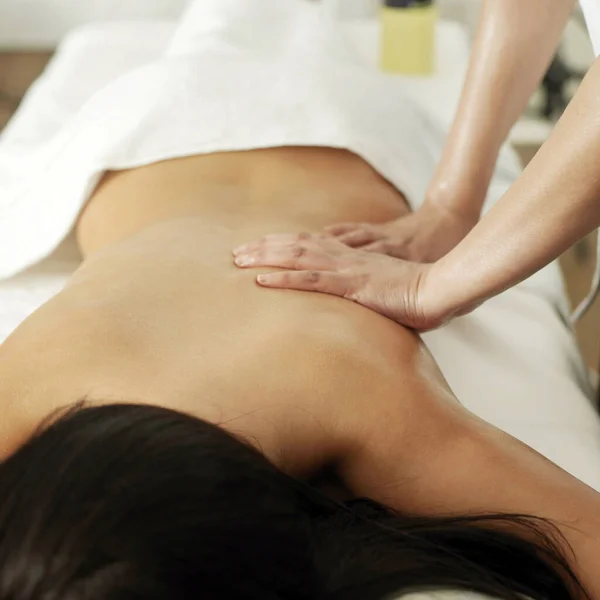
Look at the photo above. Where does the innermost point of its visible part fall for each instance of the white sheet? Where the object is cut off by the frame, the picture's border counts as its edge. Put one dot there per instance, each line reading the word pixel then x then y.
pixel 514 362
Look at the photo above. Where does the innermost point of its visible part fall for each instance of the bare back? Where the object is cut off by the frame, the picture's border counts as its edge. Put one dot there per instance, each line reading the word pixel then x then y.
pixel 158 314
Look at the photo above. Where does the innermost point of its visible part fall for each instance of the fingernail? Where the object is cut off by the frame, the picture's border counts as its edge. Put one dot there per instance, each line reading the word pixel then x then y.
pixel 262 279
pixel 243 261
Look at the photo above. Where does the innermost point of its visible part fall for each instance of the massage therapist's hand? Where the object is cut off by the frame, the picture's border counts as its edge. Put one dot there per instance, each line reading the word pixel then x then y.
pixel 397 289
pixel 423 236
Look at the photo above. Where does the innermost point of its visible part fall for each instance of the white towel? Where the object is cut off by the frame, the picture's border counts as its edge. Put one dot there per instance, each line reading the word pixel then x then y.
pixel 237 75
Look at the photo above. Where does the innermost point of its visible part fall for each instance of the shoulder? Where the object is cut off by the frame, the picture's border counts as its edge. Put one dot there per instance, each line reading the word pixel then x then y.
pixel 396 433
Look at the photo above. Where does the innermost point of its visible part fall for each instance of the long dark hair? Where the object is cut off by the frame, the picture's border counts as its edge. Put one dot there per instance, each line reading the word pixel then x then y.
pixel 129 502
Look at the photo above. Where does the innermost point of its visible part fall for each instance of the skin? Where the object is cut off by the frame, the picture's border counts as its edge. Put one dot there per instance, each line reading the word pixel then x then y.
pixel 159 314
pixel 498 85
pixel 552 205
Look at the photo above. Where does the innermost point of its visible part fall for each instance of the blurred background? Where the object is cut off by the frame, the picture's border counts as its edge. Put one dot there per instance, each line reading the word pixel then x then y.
pixel 30 30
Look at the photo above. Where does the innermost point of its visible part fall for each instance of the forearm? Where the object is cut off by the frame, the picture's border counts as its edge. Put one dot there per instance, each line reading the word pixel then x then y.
pixel 554 203
pixel 514 44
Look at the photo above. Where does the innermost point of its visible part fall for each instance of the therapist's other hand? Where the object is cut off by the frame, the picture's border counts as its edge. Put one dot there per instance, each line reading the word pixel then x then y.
pixel 397 289
pixel 423 236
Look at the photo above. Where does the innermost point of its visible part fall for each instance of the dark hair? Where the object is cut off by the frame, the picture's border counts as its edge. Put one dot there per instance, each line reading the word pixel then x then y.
pixel 130 502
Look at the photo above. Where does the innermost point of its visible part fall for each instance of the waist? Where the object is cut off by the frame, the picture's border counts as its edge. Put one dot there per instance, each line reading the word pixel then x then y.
pixel 306 188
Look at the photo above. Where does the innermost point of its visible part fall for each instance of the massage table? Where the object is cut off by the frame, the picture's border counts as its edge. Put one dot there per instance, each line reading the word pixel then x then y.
pixel 514 361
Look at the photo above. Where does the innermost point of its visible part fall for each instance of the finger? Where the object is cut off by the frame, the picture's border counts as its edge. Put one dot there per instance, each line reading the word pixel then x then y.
pixel 298 257
pixel 357 239
pixel 289 237
pixel 310 281
pixel 278 238
pixel 341 228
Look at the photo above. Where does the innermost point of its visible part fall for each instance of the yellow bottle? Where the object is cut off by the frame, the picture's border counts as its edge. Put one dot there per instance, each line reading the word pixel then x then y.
pixel 408 36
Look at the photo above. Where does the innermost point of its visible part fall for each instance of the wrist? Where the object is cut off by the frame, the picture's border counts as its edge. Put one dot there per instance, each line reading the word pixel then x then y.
pixel 434 308
pixel 443 296
pixel 462 193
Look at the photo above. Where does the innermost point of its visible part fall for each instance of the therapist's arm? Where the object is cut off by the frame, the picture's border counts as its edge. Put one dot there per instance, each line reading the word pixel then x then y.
pixel 514 45
pixel 515 42
pixel 554 203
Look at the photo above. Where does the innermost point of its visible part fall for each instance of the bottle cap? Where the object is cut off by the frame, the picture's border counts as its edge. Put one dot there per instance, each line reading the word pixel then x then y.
pixel 408 3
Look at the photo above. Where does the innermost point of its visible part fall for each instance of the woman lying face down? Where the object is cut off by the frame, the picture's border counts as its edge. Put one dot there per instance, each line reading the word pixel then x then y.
pixel 233 442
